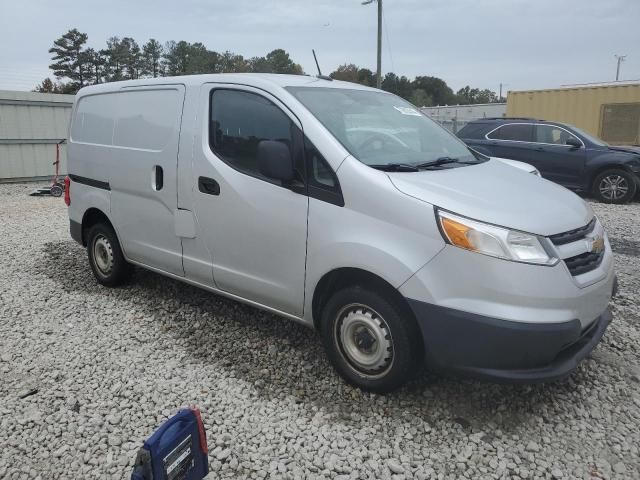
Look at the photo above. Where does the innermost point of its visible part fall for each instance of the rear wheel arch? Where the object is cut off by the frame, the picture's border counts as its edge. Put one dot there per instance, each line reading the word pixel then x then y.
pixel 92 217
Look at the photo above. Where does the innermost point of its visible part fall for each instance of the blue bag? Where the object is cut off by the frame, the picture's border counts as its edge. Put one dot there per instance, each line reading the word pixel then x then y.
pixel 176 451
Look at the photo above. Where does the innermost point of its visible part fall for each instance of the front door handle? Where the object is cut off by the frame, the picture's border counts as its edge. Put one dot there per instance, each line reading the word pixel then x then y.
pixel 208 185
pixel 158 178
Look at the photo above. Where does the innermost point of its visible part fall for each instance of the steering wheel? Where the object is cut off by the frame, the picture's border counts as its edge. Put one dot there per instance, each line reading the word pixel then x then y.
pixel 378 142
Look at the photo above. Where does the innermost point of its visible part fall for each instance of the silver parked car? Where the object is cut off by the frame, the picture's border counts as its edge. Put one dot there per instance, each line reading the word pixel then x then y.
pixel 344 208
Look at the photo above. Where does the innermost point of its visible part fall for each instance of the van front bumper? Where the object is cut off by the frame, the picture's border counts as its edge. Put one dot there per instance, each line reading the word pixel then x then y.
pixel 501 350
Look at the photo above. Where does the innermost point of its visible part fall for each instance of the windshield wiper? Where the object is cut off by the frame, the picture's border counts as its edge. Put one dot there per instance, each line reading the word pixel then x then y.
pixel 396 167
pixel 437 162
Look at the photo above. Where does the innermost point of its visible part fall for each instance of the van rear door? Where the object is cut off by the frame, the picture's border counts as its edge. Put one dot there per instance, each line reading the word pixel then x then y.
pixel 143 179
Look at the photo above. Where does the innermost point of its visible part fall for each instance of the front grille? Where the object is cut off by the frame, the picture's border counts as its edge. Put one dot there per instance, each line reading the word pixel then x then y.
pixel 573 235
pixel 583 263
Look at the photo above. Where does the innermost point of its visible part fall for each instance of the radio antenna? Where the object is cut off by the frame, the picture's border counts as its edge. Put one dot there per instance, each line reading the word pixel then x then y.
pixel 317 64
pixel 324 77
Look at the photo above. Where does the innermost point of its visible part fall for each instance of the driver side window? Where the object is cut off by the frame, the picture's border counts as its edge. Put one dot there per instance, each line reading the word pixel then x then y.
pixel 552 135
pixel 239 122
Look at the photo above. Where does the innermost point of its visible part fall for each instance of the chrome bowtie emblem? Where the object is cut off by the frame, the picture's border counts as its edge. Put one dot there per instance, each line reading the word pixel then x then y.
pixel 597 246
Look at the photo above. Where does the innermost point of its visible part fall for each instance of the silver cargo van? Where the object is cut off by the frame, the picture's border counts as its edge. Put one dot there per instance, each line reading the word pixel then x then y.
pixel 344 208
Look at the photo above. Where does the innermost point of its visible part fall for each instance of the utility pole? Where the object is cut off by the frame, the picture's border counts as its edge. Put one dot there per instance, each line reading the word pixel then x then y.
pixel 379 64
pixel 621 59
pixel 500 97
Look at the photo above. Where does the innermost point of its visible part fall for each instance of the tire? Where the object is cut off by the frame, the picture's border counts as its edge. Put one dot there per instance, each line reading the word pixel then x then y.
pixel 105 256
pixel 614 186
pixel 370 340
pixel 56 191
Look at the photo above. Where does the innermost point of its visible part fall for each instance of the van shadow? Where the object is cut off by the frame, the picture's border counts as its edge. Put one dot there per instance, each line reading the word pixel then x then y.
pixel 285 360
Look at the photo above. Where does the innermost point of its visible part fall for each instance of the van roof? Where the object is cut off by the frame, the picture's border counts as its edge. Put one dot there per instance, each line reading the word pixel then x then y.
pixel 263 80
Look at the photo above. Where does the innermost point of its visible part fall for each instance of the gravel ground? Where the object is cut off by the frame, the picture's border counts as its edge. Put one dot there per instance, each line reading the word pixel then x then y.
pixel 86 373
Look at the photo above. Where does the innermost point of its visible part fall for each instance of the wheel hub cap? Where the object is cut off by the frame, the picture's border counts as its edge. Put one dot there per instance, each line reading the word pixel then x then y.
pixel 365 340
pixel 103 254
pixel 614 187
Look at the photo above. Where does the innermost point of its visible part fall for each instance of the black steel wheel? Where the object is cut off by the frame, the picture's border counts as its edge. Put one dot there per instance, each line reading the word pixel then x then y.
pixel 105 256
pixel 371 341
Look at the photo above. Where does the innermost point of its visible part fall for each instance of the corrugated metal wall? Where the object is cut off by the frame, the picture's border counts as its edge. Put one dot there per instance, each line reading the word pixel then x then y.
pixel 581 106
pixel 454 117
pixel 30 126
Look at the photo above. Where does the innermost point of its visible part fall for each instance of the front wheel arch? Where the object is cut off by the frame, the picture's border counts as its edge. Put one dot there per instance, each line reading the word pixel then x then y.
pixel 342 278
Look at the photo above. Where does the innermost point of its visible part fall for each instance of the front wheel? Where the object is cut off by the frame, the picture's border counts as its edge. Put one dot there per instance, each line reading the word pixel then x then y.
pixel 372 342
pixel 614 186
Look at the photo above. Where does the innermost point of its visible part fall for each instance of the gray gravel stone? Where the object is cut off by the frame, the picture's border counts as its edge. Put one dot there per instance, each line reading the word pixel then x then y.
pixel 619 468
pixel 394 466
pixel 533 447
pixel 109 365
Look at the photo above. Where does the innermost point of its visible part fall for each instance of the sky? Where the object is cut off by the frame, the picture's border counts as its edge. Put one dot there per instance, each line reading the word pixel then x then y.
pixel 523 44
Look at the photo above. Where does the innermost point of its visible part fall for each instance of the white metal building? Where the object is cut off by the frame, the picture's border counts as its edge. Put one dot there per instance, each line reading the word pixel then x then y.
pixel 454 117
pixel 30 126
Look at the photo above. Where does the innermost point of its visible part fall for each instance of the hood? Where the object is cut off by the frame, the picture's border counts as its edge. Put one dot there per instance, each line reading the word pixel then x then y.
pixel 625 148
pixel 497 193
pixel 515 163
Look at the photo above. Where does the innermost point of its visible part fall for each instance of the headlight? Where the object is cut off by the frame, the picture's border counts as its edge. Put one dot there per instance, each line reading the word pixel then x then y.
pixel 536 172
pixel 494 241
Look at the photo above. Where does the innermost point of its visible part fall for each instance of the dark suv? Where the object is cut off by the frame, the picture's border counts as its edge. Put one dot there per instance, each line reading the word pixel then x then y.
pixel 562 153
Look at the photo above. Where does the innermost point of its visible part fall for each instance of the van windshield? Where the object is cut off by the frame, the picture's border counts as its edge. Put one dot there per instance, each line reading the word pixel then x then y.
pixel 381 129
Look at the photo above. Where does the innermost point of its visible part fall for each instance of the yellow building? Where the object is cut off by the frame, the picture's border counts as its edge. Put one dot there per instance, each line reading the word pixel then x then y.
pixel 610 111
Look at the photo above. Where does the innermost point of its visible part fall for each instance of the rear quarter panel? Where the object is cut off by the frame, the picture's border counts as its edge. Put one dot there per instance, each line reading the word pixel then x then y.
pixel 87 157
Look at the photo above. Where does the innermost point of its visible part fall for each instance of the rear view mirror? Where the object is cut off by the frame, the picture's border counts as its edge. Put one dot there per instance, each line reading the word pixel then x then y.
pixel 573 142
pixel 275 160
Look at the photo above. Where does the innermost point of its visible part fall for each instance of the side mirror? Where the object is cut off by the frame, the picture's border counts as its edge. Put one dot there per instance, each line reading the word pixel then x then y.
pixel 275 160
pixel 573 142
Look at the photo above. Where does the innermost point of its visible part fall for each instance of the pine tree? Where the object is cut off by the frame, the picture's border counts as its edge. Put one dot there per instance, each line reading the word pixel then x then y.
pixel 151 56
pixel 47 86
pixel 70 58
pixel 176 58
pixel 131 57
pixel 96 64
pixel 114 60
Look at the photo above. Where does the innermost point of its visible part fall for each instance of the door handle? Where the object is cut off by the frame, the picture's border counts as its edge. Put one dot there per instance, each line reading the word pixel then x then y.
pixel 158 178
pixel 208 185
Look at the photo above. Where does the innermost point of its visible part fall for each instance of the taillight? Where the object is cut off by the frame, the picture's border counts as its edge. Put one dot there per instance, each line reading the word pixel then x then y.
pixel 67 188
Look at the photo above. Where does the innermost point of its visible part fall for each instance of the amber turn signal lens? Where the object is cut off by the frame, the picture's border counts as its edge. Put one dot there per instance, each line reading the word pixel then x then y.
pixel 457 233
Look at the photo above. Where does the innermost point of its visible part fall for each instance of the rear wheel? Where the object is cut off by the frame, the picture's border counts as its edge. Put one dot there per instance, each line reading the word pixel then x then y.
pixel 372 342
pixel 105 256
pixel 614 186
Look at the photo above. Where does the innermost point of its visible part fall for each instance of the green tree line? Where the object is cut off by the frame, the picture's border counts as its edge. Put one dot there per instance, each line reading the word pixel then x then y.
pixel 75 66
